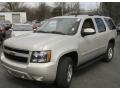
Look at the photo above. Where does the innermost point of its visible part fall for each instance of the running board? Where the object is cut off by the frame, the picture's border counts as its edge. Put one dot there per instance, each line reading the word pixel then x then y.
pixel 86 64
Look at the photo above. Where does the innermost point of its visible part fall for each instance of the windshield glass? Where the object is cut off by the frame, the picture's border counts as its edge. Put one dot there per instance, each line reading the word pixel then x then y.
pixel 22 28
pixel 66 26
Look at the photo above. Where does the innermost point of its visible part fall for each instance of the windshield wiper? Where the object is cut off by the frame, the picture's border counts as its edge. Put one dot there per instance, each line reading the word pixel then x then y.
pixel 41 31
pixel 56 32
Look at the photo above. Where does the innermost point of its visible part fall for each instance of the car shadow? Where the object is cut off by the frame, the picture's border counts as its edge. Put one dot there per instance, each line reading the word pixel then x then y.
pixel 87 68
pixel 28 83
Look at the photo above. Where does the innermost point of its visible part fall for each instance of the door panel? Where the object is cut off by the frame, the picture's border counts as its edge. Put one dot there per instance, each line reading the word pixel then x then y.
pixel 102 35
pixel 88 44
pixel 89 47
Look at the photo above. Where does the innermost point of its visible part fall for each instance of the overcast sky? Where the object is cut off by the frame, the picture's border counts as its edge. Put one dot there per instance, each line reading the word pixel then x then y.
pixel 89 5
pixel 84 5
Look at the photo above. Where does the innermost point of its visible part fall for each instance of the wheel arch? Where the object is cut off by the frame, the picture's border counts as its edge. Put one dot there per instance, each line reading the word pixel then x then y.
pixel 72 54
pixel 112 41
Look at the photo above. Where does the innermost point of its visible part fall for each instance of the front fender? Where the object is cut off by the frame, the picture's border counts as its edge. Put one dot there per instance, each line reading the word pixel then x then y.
pixel 62 53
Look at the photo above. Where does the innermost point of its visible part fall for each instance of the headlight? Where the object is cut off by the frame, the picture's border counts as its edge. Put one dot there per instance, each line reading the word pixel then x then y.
pixel 40 56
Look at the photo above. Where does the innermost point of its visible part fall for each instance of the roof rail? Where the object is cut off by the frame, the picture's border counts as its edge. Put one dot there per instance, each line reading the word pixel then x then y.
pixel 80 15
pixel 95 15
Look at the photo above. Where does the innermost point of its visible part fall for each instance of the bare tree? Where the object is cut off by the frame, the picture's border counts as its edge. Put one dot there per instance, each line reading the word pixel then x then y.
pixel 111 9
pixel 11 6
pixel 43 11
pixel 63 8
pixel 39 12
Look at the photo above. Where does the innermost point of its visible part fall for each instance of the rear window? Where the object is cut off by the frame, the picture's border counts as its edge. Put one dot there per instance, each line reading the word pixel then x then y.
pixel 110 23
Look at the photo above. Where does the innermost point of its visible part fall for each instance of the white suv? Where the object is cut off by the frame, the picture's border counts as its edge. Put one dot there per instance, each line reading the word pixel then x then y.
pixel 58 47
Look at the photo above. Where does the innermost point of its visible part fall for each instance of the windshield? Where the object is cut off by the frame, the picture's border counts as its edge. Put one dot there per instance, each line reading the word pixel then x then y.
pixel 66 26
pixel 22 28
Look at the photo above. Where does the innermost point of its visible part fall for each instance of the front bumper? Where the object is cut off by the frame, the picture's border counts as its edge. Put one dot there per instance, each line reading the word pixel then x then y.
pixel 31 71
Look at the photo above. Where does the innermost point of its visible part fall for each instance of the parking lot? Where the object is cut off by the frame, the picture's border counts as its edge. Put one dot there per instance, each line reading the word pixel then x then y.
pixel 97 75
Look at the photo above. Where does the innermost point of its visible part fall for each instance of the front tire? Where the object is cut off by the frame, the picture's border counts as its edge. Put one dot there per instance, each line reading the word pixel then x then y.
pixel 64 72
pixel 109 53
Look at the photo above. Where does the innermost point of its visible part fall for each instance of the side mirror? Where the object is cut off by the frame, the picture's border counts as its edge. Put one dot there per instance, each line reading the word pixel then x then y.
pixel 88 31
pixel 118 28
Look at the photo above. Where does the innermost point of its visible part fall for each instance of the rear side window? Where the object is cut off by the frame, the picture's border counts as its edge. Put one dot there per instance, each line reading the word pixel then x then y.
pixel 110 23
pixel 100 25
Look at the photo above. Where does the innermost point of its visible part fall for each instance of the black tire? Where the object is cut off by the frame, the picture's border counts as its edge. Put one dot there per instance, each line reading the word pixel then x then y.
pixel 62 72
pixel 107 57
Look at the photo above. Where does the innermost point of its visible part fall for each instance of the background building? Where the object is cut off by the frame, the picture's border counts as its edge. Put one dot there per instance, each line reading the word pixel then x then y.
pixel 14 17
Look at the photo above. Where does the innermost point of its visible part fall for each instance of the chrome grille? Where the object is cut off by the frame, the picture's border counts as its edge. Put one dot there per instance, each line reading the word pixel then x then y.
pixel 17 55
pixel 16 50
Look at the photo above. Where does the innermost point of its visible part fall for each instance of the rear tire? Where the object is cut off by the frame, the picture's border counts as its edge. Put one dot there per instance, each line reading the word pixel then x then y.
pixel 64 72
pixel 109 53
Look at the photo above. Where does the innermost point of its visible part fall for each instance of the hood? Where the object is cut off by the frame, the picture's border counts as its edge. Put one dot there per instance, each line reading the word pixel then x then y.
pixel 33 41
pixel 17 33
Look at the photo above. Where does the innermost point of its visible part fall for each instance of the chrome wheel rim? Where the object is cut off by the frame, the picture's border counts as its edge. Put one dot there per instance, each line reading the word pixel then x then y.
pixel 110 53
pixel 69 73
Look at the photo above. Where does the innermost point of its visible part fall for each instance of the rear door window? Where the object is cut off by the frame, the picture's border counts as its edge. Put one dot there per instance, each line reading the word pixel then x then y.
pixel 100 25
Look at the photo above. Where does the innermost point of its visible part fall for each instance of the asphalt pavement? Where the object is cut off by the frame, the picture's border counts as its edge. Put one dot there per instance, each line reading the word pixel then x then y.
pixel 96 75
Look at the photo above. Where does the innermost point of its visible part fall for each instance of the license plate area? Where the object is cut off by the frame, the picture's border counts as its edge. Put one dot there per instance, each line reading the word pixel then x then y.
pixel 16 74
